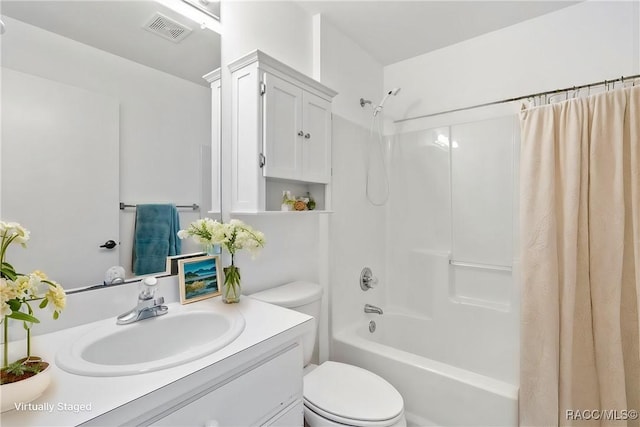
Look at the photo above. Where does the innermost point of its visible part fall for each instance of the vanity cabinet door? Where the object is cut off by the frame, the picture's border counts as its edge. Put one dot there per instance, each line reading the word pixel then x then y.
pixel 253 398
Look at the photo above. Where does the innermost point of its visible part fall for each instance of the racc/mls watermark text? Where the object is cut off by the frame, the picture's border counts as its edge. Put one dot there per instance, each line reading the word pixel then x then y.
pixel 601 414
pixel 51 407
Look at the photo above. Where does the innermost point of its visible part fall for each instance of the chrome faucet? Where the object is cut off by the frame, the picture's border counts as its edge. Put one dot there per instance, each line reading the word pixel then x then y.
pixel 368 308
pixel 148 305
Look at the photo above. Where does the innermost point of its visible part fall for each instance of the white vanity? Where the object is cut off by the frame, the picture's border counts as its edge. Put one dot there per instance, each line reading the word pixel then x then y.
pixel 256 379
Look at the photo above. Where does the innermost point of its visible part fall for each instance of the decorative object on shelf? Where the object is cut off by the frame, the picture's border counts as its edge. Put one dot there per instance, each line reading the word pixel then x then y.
pixel 25 379
pixel 290 203
pixel 198 278
pixel 234 236
pixel 287 201
pixel 311 203
pixel 300 205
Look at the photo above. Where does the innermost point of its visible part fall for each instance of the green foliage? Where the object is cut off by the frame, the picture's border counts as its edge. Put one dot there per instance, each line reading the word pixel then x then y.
pixel 18 315
pixel 20 368
pixel 7 271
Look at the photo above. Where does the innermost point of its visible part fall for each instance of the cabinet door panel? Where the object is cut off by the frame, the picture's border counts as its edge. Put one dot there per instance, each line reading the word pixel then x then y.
pixel 316 150
pixel 282 123
pixel 263 393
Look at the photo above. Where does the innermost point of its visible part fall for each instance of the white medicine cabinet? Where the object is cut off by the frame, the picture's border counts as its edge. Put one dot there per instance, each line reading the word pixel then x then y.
pixel 281 135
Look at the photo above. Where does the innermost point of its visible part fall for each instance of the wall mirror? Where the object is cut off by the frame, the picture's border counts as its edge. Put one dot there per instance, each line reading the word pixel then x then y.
pixel 104 107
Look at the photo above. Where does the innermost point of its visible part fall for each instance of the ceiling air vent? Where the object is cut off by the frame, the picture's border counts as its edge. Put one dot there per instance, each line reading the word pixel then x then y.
pixel 167 28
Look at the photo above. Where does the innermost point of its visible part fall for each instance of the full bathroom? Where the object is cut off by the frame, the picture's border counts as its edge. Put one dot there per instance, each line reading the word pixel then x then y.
pixel 470 256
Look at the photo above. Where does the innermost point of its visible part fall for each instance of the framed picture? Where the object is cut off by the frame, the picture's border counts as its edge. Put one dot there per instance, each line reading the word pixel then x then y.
pixel 172 261
pixel 199 278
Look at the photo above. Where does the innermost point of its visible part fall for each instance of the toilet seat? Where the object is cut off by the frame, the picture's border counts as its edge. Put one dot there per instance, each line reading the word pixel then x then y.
pixel 326 416
pixel 350 395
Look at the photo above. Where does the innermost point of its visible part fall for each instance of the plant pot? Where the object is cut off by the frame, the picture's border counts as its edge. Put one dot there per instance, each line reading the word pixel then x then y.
pixel 24 391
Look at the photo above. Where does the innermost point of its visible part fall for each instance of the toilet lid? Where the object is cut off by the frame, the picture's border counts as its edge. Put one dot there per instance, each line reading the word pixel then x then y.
pixel 351 393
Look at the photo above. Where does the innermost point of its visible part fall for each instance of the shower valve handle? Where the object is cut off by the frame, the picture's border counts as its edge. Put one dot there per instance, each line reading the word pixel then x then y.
pixel 367 279
pixel 370 281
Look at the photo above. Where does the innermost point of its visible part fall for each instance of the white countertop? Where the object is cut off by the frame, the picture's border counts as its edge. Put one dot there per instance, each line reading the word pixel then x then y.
pixel 74 399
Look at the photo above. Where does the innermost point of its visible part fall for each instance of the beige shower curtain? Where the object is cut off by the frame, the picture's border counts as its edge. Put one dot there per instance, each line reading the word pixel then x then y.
pixel 580 255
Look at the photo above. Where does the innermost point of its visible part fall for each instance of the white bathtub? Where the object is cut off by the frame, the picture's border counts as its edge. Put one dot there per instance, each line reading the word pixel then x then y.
pixel 435 393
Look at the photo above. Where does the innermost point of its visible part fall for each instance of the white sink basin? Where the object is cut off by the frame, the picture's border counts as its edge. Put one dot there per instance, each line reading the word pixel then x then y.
pixel 151 344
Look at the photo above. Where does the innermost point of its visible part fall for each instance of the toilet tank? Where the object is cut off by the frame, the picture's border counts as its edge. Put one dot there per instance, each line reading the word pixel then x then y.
pixel 301 296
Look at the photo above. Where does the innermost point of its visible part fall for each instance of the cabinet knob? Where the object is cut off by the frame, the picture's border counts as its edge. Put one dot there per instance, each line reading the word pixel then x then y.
pixel 307 135
pixel 300 133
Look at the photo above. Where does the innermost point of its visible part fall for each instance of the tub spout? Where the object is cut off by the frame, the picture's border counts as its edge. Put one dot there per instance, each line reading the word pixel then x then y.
pixel 368 308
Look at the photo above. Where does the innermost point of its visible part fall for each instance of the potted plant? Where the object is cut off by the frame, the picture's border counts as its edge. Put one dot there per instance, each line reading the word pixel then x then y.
pixel 233 236
pixel 23 380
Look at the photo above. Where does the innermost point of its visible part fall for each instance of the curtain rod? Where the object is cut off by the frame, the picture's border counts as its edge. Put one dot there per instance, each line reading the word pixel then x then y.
pixel 520 98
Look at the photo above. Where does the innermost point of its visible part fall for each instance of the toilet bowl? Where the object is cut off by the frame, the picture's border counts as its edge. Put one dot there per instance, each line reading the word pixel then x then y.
pixel 336 394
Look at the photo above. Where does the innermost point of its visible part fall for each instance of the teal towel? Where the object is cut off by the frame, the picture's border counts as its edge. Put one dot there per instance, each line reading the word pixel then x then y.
pixel 155 237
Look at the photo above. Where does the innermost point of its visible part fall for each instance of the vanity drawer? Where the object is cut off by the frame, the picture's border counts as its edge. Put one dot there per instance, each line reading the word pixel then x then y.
pixel 291 416
pixel 251 399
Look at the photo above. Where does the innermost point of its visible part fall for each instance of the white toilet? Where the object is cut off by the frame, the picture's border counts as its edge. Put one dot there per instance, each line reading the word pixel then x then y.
pixel 336 394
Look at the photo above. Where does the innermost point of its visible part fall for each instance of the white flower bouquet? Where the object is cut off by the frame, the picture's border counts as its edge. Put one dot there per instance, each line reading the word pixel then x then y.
pixel 17 292
pixel 233 236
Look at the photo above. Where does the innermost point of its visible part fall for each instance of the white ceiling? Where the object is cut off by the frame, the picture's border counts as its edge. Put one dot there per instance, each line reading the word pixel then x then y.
pixel 392 31
pixel 116 27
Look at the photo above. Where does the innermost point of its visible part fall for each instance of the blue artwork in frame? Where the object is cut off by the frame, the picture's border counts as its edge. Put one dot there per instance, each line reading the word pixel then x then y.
pixel 199 278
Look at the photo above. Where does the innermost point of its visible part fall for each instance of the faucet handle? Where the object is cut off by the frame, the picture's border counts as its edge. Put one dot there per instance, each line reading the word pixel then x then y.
pixel 148 288
pixel 158 301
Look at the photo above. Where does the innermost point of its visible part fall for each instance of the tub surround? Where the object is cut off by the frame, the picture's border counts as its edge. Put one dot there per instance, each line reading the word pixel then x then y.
pixel 74 399
pixel 433 391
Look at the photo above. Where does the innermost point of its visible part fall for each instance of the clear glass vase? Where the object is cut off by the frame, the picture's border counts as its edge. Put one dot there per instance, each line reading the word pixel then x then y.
pixel 231 288
pixel 210 248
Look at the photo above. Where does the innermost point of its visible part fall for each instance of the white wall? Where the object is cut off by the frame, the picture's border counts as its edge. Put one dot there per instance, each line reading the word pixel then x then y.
pixel 584 43
pixel 279 28
pixel 164 120
pixel 357 227
pixel 351 71
pixel 284 31
pixel 558 50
